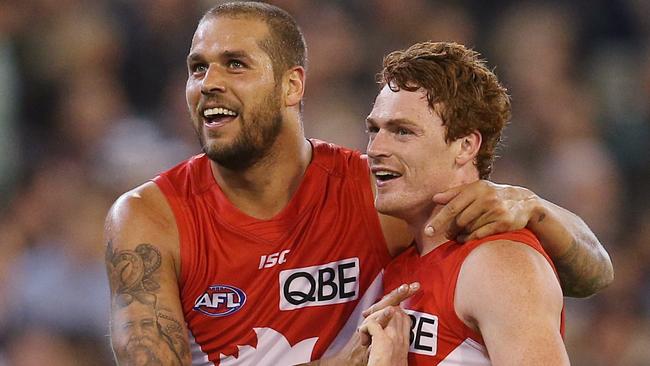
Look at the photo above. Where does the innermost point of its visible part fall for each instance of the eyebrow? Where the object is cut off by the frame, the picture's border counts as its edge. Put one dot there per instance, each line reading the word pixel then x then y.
pixel 393 122
pixel 226 54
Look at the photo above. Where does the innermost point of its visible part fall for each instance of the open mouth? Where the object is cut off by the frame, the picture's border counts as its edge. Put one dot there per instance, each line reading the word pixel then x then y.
pixel 386 175
pixel 219 116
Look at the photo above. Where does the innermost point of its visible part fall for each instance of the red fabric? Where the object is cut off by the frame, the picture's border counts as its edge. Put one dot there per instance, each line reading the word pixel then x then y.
pixel 331 217
pixel 437 272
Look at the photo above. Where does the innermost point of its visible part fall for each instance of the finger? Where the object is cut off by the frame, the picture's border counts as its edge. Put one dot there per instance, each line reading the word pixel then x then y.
pixel 491 228
pixel 380 317
pixel 445 219
pixel 500 219
pixel 394 298
pixel 374 329
pixel 473 226
pixel 443 198
pixel 398 329
pixel 471 216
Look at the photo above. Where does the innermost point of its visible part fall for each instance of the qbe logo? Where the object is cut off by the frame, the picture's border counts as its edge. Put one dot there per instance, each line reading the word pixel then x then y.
pixel 220 300
pixel 423 339
pixel 325 284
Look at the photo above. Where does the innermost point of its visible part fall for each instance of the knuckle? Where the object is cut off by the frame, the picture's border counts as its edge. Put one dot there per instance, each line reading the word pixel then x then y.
pixel 492 198
pixel 452 209
pixel 502 226
pixel 481 233
pixel 500 211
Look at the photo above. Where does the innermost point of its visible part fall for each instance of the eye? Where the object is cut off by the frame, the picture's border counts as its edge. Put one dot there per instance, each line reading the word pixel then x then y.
pixel 371 129
pixel 198 68
pixel 401 131
pixel 235 64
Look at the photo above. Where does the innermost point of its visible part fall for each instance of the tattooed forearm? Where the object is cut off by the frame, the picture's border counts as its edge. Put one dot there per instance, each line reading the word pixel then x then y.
pixel 143 333
pixel 578 274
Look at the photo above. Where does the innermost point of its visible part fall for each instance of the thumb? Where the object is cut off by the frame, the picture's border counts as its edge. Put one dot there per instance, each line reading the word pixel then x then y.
pixel 374 328
pixel 443 198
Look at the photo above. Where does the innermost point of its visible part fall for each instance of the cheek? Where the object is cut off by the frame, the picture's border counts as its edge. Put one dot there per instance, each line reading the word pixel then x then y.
pixel 192 93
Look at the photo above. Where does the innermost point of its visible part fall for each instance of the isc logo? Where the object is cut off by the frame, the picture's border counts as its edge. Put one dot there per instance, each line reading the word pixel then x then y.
pixel 273 259
pixel 325 284
pixel 424 333
pixel 220 300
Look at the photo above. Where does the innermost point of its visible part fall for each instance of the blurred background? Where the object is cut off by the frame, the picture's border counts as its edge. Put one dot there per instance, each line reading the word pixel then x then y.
pixel 92 104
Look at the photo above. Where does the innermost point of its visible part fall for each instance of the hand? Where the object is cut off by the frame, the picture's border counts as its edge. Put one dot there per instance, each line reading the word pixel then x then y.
pixel 394 298
pixel 479 209
pixel 390 341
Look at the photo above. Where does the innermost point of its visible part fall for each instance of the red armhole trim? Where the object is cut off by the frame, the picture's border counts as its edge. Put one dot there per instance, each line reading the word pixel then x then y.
pixel 180 216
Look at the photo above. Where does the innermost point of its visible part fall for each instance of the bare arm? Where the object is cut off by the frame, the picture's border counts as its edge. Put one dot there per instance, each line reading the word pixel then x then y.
pixel 147 326
pixel 508 292
pixel 483 208
pixel 581 261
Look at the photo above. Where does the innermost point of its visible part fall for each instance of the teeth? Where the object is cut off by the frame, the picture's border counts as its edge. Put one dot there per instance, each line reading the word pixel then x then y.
pixel 211 112
pixel 386 174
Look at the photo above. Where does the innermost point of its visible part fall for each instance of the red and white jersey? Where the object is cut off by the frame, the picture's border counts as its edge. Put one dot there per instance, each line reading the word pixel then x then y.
pixel 278 291
pixel 438 336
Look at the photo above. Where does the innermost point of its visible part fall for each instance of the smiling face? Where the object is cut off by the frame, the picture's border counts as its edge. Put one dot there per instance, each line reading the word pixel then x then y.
pixel 231 92
pixel 408 154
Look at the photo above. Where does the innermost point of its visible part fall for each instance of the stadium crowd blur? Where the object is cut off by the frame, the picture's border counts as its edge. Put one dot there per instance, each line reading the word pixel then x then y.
pixel 92 104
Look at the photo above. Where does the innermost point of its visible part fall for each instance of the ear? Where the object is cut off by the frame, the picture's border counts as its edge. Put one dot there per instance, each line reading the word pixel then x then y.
pixel 469 147
pixel 294 82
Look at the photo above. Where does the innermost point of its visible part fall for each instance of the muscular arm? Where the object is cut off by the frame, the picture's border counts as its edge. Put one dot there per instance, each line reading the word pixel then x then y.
pixel 482 208
pixel 147 326
pixel 581 261
pixel 509 293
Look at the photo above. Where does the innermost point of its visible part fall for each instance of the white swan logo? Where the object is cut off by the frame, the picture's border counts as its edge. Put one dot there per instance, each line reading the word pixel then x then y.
pixel 272 349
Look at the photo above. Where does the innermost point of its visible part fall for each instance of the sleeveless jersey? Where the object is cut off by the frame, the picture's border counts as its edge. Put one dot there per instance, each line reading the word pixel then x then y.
pixel 280 291
pixel 438 336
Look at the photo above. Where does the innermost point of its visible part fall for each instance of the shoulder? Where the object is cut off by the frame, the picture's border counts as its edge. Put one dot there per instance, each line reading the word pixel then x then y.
pixel 504 261
pixel 338 160
pixel 503 276
pixel 142 216
pixel 143 203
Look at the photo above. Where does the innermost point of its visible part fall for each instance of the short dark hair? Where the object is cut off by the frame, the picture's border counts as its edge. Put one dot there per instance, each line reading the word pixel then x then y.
pixel 286 46
pixel 459 87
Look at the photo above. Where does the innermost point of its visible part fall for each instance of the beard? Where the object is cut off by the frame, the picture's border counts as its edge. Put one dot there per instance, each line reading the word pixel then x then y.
pixel 258 133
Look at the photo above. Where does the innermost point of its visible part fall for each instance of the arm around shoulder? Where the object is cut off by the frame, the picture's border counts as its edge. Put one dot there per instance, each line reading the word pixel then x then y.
pixel 142 265
pixel 509 293
pixel 582 263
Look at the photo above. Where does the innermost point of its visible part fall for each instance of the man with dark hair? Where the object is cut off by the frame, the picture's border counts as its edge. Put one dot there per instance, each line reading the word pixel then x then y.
pixel 494 300
pixel 285 45
pixel 268 246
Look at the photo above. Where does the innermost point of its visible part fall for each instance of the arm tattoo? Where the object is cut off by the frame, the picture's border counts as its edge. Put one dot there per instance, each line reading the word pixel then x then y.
pixel 142 329
pixel 578 276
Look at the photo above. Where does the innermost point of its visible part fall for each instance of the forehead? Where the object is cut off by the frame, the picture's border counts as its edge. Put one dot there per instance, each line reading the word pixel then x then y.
pixel 402 104
pixel 224 33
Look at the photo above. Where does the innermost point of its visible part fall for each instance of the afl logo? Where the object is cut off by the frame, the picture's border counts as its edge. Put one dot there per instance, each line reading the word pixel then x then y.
pixel 220 300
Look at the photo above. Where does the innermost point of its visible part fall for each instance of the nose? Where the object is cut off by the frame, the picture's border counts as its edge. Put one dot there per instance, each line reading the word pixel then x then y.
pixel 377 144
pixel 212 82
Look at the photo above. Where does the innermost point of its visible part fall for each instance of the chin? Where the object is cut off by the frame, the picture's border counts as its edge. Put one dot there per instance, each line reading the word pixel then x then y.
pixel 390 207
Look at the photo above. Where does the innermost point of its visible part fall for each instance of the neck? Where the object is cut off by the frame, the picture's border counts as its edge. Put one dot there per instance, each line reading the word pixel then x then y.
pixel 418 221
pixel 264 189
